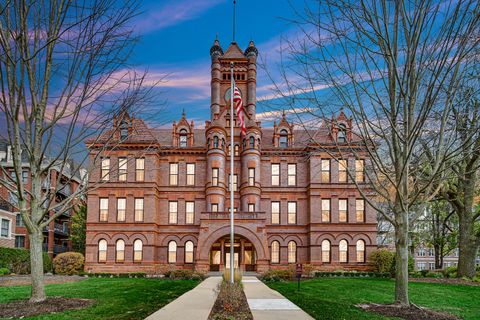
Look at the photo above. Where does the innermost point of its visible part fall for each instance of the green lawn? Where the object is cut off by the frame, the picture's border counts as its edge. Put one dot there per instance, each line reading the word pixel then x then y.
pixel 334 298
pixel 115 298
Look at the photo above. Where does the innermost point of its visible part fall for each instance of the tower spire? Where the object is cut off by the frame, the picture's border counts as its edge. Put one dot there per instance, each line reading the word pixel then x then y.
pixel 234 7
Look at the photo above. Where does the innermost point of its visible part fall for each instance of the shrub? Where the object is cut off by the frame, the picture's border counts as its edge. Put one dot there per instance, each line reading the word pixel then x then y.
pixel 351 274
pixel 450 272
pixel 4 271
pixel 68 263
pixel 278 275
pixel 116 275
pixel 183 274
pixel 382 260
pixel 18 260
pixel 432 274
pixel 237 275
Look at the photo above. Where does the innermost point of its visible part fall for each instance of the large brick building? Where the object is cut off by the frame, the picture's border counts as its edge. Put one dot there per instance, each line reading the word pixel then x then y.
pixel 164 199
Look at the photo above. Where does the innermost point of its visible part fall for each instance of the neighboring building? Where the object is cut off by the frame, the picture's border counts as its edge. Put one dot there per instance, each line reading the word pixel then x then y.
pixel 7 226
pixel 164 201
pixel 56 234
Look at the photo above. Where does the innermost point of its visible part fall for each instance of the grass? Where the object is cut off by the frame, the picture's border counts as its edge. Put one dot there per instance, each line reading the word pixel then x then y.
pixel 115 298
pixel 334 298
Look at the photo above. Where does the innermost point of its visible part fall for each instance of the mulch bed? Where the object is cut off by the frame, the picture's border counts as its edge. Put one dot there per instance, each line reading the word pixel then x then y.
pixel 411 312
pixel 231 303
pixel 445 281
pixel 22 308
pixel 21 280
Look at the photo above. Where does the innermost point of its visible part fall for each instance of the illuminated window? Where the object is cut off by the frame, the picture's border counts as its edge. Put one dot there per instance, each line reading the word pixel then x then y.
pixel 275 174
pixel 292 174
pixel 325 251
pixel 140 169
pixel 190 174
pixel 122 169
pixel 214 207
pixel 189 212
pixel 360 251
pixel 102 250
pixel 103 209
pixel 342 171
pixel 275 212
pixel 137 250
pixel 138 209
pixel 292 212
pixel 121 208
pixel 236 150
pixel 251 176
pixel 173 174
pixel 172 252
pixel 325 170
pixel 275 252
pixel 292 252
pixel 360 210
pixel 325 210
pixel 342 210
pixel 105 174
pixel 343 251
pixel 360 170
pixel 172 212
pixel 120 251
pixel 251 207
pixel 214 176
pixel 189 252
pixel 235 182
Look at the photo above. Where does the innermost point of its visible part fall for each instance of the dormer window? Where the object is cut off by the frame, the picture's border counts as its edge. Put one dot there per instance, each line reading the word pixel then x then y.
pixel 342 133
pixel 123 130
pixel 183 138
pixel 283 141
pixel 252 142
pixel 215 142
pixel 236 150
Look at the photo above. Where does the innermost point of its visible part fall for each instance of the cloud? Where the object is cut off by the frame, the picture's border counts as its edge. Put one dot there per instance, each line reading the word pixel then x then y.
pixel 173 13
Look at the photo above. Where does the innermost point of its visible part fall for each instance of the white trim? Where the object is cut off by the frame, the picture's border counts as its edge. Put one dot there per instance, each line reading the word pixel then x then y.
pixel 9 237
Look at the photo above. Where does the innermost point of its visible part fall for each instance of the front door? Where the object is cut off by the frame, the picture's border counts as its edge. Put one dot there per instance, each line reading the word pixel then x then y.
pixel 235 260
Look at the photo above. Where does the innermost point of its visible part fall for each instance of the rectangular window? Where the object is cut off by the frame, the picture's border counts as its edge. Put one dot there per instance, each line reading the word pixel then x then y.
pixel 19 220
pixel 325 170
pixel 19 241
pixel 360 210
pixel 342 210
pixel 103 209
pixel 342 171
pixel 235 182
pixel 292 174
pixel 275 212
pixel 140 169
pixel 189 212
pixel 214 176
pixel 275 174
pixel 251 176
pixel 214 207
pixel 122 169
pixel 105 174
pixel 292 212
pixel 325 210
pixel 172 212
pixel 173 174
pixel 24 176
pixel 190 174
pixel 5 228
pixel 121 208
pixel 360 170
pixel 251 207
pixel 138 209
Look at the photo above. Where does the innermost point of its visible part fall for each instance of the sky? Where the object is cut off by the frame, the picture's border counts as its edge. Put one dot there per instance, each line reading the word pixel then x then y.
pixel 175 39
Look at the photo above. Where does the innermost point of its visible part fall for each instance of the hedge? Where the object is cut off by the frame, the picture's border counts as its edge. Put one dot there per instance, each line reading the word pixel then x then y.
pixel 68 263
pixel 352 274
pixel 115 275
pixel 383 260
pixel 18 260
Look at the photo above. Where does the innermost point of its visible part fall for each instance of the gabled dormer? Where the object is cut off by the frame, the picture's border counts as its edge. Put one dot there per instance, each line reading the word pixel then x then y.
pixel 182 133
pixel 123 126
pixel 341 128
pixel 283 133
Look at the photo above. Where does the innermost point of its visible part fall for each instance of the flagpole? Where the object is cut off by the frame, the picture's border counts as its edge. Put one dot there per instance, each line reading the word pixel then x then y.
pixel 231 175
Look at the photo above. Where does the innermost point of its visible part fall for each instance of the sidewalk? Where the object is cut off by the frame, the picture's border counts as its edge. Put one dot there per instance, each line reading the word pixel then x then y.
pixel 194 304
pixel 267 304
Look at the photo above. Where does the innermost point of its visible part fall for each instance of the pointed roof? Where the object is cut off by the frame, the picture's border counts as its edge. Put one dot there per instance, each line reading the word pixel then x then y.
pixel 234 52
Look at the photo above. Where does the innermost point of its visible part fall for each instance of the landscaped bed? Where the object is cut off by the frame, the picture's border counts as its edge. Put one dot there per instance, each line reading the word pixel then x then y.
pixel 340 298
pixel 99 298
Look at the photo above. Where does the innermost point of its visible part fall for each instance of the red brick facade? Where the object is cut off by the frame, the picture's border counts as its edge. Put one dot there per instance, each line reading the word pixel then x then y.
pixel 169 188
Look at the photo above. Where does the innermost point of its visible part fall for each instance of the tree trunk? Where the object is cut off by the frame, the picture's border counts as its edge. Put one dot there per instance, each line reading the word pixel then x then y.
pixel 467 247
pixel 36 264
pixel 401 260
pixel 438 256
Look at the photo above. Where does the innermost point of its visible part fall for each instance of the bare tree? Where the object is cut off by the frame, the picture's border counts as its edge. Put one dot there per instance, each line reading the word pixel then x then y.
pixel 394 66
pixel 63 74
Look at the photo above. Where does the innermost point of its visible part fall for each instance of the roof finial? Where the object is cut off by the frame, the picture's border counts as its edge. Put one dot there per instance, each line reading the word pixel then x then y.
pixel 183 113
pixel 234 5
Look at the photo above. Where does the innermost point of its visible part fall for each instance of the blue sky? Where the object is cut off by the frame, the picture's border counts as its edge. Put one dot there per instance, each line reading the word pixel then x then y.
pixel 176 36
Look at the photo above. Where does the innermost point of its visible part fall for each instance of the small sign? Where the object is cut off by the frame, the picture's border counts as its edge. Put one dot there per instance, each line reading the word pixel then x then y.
pixel 299 270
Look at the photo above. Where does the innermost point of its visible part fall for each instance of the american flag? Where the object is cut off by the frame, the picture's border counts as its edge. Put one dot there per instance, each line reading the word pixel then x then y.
pixel 237 101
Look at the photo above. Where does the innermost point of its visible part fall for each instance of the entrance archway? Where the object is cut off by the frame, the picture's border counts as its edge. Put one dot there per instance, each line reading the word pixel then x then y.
pixel 245 255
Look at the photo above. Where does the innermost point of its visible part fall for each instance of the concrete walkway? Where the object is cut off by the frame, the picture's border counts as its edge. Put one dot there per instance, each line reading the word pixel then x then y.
pixel 194 304
pixel 268 304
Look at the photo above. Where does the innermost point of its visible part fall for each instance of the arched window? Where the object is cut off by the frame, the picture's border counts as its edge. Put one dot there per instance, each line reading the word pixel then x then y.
pixel 360 251
pixel 208 143
pixel 244 145
pixel 236 150
pixel 137 250
pixel 325 251
pixel 123 130
pixel 343 251
pixel 102 250
pixel 342 133
pixel 292 252
pixel 189 252
pixel 258 143
pixel 215 142
pixel 283 138
pixel 275 252
pixel 223 144
pixel 120 251
pixel 172 252
pixel 229 150
pixel 252 142
pixel 183 138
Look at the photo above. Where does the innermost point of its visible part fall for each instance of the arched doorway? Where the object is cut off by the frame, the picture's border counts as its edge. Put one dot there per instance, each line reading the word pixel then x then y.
pixel 245 255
